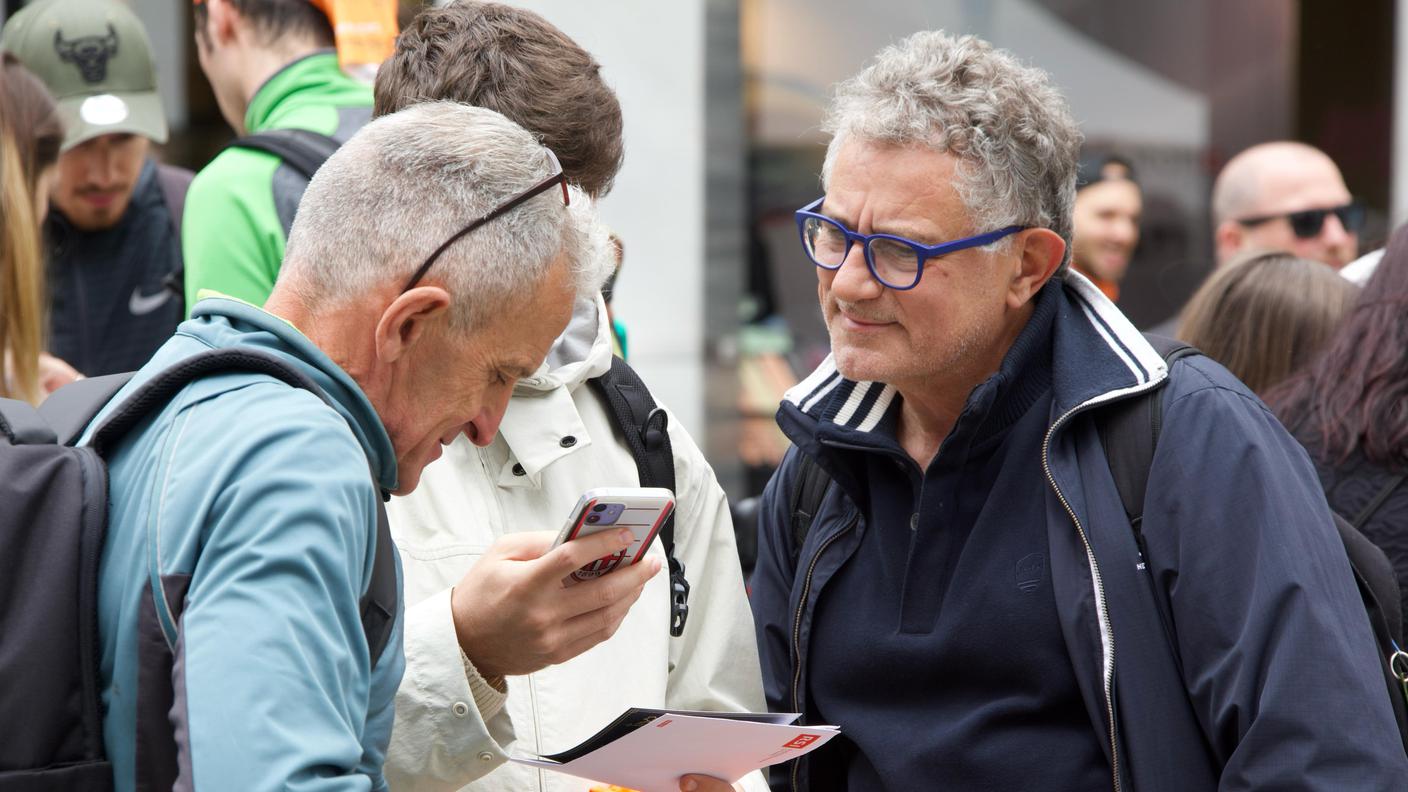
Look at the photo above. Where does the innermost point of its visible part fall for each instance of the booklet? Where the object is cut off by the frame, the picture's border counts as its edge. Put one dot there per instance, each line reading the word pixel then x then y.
pixel 648 750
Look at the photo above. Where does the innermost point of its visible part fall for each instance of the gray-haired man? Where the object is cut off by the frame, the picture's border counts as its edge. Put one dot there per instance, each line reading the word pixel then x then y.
pixel 968 600
pixel 431 265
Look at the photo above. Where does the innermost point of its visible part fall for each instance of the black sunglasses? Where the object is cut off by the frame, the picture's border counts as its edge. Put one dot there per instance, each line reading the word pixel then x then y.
pixel 1307 224
pixel 538 189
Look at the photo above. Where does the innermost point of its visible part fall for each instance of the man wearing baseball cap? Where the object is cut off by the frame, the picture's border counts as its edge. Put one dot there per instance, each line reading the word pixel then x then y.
pixel 114 234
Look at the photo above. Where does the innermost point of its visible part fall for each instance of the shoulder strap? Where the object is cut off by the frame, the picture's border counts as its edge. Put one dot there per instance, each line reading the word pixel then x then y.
pixel 303 150
pixel 809 485
pixel 71 408
pixel 21 424
pixel 1373 505
pixel 1129 431
pixel 161 388
pixel 644 427
pixel 377 605
pixel 174 183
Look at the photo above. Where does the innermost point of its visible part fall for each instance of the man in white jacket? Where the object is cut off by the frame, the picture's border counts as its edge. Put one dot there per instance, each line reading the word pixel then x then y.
pixel 482 683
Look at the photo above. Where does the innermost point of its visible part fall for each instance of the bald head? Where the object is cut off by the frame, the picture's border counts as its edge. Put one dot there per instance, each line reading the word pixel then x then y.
pixel 1270 181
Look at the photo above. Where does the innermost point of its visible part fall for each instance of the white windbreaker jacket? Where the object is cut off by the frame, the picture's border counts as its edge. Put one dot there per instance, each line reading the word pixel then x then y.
pixel 452 729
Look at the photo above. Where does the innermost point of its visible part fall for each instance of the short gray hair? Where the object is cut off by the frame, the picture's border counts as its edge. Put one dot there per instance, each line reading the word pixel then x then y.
pixel 1010 129
pixel 409 181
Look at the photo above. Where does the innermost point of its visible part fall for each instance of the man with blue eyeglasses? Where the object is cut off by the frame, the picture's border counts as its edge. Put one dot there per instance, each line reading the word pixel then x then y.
pixel 946 570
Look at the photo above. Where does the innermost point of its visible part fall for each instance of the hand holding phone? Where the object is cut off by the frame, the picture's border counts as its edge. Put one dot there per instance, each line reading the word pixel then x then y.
pixel 641 510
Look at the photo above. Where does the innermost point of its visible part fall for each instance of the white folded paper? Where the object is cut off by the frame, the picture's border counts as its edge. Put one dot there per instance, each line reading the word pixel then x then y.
pixel 648 750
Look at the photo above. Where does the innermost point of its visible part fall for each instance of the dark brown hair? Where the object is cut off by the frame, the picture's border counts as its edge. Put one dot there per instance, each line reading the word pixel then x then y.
pixel 275 19
pixel 1354 395
pixel 1266 315
pixel 514 62
pixel 30 136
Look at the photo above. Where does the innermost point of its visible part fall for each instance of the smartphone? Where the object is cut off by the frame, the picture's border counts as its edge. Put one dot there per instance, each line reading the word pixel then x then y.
pixel 641 510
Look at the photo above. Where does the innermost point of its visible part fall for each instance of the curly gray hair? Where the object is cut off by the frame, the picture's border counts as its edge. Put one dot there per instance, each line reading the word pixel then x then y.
pixel 1016 142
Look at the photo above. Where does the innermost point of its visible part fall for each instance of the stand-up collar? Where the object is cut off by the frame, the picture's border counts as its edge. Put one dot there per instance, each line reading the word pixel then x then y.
pixel 310 72
pixel 1096 355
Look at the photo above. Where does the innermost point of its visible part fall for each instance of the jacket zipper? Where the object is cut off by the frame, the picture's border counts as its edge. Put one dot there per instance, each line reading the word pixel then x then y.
pixel 797 631
pixel 1106 629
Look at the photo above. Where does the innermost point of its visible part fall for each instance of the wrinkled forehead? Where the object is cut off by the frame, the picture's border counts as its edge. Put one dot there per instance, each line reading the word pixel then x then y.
pixel 905 189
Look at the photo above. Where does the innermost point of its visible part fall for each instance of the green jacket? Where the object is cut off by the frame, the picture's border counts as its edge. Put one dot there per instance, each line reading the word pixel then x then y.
pixel 241 206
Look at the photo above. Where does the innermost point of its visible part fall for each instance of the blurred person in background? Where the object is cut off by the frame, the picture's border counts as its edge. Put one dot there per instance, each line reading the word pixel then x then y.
pixel 1264 316
pixel 30 137
pixel 469 639
pixel 1285 196
pixel 272 66
pixel 114 232
pixel 1348 408
pixel 1107 211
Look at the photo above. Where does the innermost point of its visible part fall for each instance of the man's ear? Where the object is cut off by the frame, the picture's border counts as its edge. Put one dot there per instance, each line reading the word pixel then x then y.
pixel 1039 252
pixel 408 319
pixel 221 22
pixel 1228 240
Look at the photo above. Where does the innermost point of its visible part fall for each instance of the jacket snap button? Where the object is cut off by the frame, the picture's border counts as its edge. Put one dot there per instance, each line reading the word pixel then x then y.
pixel 485 756
pixel 460 709
pixel 519 471
pixel 914 521
pixel 568 441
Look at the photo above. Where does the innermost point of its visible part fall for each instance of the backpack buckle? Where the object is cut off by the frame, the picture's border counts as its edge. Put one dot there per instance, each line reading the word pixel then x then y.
pixel 679 598
pixel 655 429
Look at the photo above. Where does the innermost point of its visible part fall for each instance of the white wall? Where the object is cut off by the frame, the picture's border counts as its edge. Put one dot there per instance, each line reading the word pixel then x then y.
pixel 652 54
pixel 165 22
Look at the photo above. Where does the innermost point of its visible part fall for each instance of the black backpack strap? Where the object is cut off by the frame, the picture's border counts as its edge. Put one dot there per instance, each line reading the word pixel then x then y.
pixel 174 183
pixel 1373 506
pixel 1129 431
pixel 303 150
pixel 21 424
pixel 161 388
pixel 809 485
pixel 643 426
pixel 1378 589
pixel 71 408
pixel 378 603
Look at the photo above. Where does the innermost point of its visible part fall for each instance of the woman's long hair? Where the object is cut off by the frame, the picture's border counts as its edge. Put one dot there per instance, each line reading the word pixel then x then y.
pixel 1354 395
pixel 1265 315
pixel 30 136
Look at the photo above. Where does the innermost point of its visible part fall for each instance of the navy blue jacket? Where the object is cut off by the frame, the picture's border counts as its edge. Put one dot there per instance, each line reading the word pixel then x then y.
pixel 1273 684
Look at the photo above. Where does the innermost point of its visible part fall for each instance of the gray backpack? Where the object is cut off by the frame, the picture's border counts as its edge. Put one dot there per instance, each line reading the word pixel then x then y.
pixel 53 518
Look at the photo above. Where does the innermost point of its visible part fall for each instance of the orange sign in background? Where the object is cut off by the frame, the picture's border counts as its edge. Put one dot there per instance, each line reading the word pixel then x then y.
pixel 365 30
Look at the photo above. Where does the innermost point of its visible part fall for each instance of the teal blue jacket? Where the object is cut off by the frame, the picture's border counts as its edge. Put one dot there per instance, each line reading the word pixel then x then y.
pixel 257 500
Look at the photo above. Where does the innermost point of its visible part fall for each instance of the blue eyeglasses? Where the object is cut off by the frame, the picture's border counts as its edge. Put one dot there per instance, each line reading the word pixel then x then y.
pixel 896 262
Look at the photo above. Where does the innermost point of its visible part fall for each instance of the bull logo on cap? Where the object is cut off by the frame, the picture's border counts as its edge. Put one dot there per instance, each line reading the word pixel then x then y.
pixel 89 53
